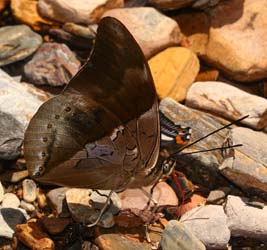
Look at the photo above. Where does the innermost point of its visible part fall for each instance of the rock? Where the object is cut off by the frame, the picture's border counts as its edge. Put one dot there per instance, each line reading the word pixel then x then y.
pixel 25 11
pixel 112 241
pixel 207 75
pixel 18 104
pixel 55 225
pixel 152 30
pixel 54 64
pixel 246 166
pixel 71 40
pixel 27 206
pixel 29 190
pixel 178 236
pixel 201 4
pixel 85 204
pixel 3 4
pixel 173 71
pixel 228 101
pixel 32 236
pixel 218 196
pixel 41 199
pixel 88 32
pixel 202 219
pixel 1 192
pixel 135 198
pixel 202 168
pixel 14 177
pixel 17 42
pixel 76 11
pixel 244 220
pixel 10 200
pixel 170 4
pixel 9 218
pixel 56 198
pixel 195 201
pixel 216 35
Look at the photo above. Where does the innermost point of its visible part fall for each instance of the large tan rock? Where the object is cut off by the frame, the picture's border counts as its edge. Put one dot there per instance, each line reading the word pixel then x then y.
pixel 76 11
pixel 152 30
pixel 173 71
pixel 231 37
pixel 25 11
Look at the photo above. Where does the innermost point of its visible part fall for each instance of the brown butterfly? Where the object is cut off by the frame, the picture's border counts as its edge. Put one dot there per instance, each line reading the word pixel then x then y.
pixel 102 131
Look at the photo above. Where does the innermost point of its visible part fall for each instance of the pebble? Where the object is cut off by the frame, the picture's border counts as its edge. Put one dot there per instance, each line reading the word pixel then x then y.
pixel 56 198
pixel 152 30
pixel 245 220
pixel 178 236
pixel 41 199
pixel 205 3
pixel 76 11
pixel 195 200
pixel 228 101
pixel 25 11
pixel 27 206
pixel 9 219
pixel 246 166
pixel 170 4
pixel 17 42
pixel 88 32
pixel 1 192
pixel 218 196
pixel 29 190
pixel 173 71
pixel 85 204
pixel 32 235
pixel 135 198
pixel 55 225
pixel 54 64
pixel 14 177
pixel 209 224
pixel 10 200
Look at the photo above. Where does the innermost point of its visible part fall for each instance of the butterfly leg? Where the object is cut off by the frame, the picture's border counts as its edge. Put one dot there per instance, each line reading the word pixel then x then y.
pixel 102 210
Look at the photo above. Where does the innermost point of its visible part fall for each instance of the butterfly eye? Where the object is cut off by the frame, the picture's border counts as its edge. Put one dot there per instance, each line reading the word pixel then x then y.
pixel 168 166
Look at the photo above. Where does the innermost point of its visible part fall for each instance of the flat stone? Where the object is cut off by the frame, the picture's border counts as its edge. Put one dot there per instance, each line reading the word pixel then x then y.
pixel 10 200
pixel 135 198
pixel 1 192
pixel 88 32
pixel 54 64
pixel 244 220
pixel 31 235
pixel 25 11
pixel 152 30
pixel 246 166
pixel 215 35
pixel 173 71
pixel 76 11
pixel 209 224
pixel 178 236
pixel 55 225
pixel 218 196
pixel 85 204
pixel 56 198
pixel 27 206
pixel 29 190
pixel 14 177
pixel 228 101
pixel 9 218
pixel 17 42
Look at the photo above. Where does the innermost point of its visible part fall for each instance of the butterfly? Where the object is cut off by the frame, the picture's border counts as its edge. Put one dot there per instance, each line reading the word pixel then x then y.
pixel 103 130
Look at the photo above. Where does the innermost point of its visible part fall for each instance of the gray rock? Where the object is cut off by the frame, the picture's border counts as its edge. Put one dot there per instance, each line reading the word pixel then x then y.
pixel 209 224
pixel 1 192
pixel 178 236
pixel 9 218
pixel 54 64
pixel 14 177
pixel 10 200
pixel 88 32
pixel 27 206
pixel 17 42
pixel 228 101
pixel 218 196
pixel 86 204
pixel 29 190
pixel 246 166
pixel 245 220
pixel 57 199
pixel 205 3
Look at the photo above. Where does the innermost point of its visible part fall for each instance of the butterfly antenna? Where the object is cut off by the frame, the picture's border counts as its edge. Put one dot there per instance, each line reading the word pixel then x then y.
pixel 211 133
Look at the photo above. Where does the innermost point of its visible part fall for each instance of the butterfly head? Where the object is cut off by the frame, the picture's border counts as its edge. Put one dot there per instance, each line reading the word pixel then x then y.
pixel 168 166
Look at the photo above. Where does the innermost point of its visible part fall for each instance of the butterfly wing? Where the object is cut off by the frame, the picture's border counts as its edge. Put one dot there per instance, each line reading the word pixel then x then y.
pixel 114 87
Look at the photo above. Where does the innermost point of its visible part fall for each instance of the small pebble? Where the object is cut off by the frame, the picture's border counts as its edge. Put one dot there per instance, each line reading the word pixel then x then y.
pixel 27 206
pixel 10 200
pixel 29 190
